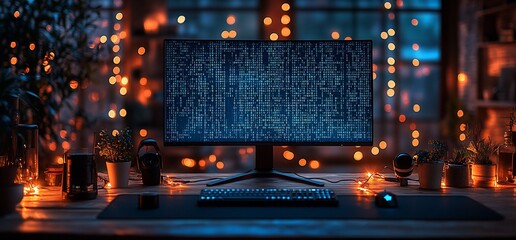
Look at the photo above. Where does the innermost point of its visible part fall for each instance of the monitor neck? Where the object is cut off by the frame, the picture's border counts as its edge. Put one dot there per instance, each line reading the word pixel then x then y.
pixel 264 158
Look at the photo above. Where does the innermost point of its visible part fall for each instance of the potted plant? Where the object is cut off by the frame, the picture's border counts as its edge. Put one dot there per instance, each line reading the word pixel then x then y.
pixel 430 165
pixel 117 149
pixel 483 171
pixel 457 169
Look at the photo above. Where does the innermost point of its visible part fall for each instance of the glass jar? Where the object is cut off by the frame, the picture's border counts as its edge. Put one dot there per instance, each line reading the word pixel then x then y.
pixel 505 163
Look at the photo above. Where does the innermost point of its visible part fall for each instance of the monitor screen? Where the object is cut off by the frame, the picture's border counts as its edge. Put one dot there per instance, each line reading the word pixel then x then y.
pixel 268 92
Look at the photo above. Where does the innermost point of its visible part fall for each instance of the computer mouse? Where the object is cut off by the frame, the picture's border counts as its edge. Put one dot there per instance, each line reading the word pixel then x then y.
pixel 386 200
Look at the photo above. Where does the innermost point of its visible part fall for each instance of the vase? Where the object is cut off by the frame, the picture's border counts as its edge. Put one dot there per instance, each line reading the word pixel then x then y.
pixel 118 173
pixel 484 175
pixel 456 175
pixel 430 175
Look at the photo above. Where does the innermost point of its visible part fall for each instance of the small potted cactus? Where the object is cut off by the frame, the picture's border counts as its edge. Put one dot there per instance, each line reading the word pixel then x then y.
pixel 117 149
pixel 430 165
pixel 456 172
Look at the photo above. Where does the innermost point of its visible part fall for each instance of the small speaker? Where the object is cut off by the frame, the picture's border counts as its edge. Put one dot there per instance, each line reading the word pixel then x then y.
pixel 403 165
pixel 150 163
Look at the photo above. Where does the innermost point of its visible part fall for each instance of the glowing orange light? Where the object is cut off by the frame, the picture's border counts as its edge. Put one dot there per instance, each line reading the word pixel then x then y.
pixel 285 32
pixel 416 108
pixel 402 118
pixel 302 162
pixel 273 36
pixel 390 92
pixel 74 84
pixel 122 112
pixel 116 48
pixel 116 27
pixel 374 76
pixel 143 132
pixel 115 132
pixel 415 134
pixel 143 81
pixel 415 46
pixel 151 25
pixel 123 91
pixel 288 155
pixel 391 46
pixel 391 32
pixel 415 142
pixel 103 39
pixel 141 51
pixel 188 162
pixel 387 5
pixel 285 7
pixel 112 80
pixel 232 34
pixel 391 69
pixel 60 160
pixel 212 158
pixel 112 113
pixel 267 21
pixel 414 22
pixel 14 60
pixel 358 156
pixel 347 38
pixel 460 113
pixel 462 77
pixel 147 93
pixel 32 46
pixel 119 16
pixel 462 127
pixel 220 165
pixel 63 133
pixel 415 62
pixel 181 19
pixel 382 145
pixel 65 145
pixel 116 70
pixel 314 164
pixel 462 137
pixel 391 84
pixel 114 39
pixel 224 34
pixel 123 34
pixel 391 61
pixel 285 19
pixel 202 163
pixel 116 60
pixel 124 81
pixel 13 44
pixel 335 35
pixel 384 35
pixel 375 150
pixel 387 108
pixel 230 20
pixel 52 146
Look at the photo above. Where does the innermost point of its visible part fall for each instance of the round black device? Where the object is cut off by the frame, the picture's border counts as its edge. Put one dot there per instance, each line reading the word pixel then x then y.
pixel 403 165
pixel 150 163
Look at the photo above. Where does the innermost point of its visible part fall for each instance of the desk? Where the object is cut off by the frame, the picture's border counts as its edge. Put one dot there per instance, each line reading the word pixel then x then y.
pixel 48 216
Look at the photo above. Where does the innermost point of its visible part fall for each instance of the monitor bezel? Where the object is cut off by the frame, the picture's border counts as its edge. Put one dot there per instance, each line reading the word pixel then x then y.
pixel 268 143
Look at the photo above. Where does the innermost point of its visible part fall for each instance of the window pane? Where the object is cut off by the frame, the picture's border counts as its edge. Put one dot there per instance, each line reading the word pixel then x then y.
pixel 426 34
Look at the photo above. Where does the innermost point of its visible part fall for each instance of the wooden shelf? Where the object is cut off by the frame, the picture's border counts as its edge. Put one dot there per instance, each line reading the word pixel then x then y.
pixel 496 44
pixel 495 104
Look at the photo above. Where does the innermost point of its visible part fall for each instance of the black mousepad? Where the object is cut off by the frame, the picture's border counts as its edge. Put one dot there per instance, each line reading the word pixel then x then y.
pixel 459 208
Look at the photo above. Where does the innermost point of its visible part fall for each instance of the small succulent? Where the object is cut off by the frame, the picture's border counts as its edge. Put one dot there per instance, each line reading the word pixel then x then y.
pixel 116 146
pixel 437 152
pixel 481 150
pixel 460 156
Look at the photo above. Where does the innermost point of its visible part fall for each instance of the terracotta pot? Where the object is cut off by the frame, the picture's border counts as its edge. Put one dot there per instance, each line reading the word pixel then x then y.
pixel 118 173
pixel 483 175
pixel 456 175
pixel 430 175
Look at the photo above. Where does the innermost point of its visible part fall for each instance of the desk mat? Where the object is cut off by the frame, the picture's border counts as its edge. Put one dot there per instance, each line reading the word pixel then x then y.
pixel 459 208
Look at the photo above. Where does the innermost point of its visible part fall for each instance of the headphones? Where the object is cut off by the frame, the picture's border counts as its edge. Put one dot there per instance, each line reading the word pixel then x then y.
pixel 150 163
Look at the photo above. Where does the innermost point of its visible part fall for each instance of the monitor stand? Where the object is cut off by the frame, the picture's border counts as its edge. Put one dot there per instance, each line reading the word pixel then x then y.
pixel 264 169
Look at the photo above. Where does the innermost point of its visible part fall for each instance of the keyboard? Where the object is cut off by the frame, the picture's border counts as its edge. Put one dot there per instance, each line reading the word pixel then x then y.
pixel 283 197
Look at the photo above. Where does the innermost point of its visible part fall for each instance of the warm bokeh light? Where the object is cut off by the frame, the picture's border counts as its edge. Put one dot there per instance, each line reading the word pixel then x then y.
pixel 314 164
pixel 143 132
pixel 224 34
pixel 124 81
pixel 358 156
pixel 14 60
pixel 123 34
pixel 391 84
pixel 462 77
pixel 116 48
pixel 16 14
pixel 416 108
pixel 285 19
pixel 462 137
pixel 391 46
pixel 391 32
pixel 202 163
pixel 415 142
pixel 415 134
pixel 143 81
pixel 181 19
pixel 335 35
pixel 112 80
pixel 103 39
pixel 116 70
pixel 123 91
pixel 415 46
pixel 188 162
pixel 230 20
pixel 122 112
pixel 288 155
pixel 391 61
pixel 382 145
pixel 390 92
pixel 220 165
pixel 112 113
pixel 302 162
pixel 273 36
pixel 32 46
pixel 387 5
pixel 74 84
pixel 13 44
pixel 114 39
pixel 384 35
pixel 402 118
pixel 391 69
pixel 267 21
pixel 285 7
pixel 285 32
pixel 212 158
pixel 119 16
pixel 347 38
pixel 232 34
pixel 116 60
pixel 415 62
pixel 387 108
pixel 462 127
pixel 65 145
pixel 460 113
pixel 141 51
pixel 374 76
pixel 414 22
pixel 375 151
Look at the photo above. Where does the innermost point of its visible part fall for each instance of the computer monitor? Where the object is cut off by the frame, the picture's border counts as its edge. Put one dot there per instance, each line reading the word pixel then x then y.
pixel 267 93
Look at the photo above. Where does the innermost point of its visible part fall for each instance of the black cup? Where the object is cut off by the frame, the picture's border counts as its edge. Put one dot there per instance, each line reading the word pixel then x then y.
pixel 79 176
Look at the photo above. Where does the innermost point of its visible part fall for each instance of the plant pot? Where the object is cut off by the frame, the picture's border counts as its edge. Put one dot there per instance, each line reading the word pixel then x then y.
pixel 484 175
pixel 430 175
pixel 7 175
pixel 118 173
pixel 456 175
pixel 11 195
